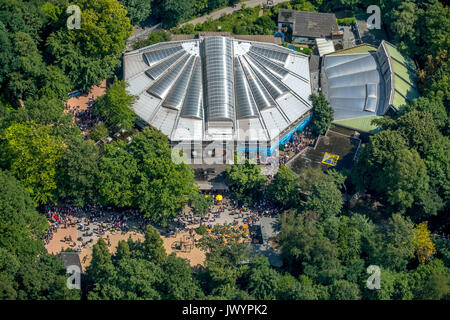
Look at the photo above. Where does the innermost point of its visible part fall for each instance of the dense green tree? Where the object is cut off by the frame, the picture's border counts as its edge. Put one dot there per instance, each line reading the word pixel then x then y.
pixel 153 245
pixel 164 186
pixel 143 175
pixel 21 227
pixel 387 166
pixel 266 23
pixel 433 29
pixel 77 171
pixel 374 157
pixel 398 243
pixel 431 281
pixel 115 106
pixel 304 245
pixel 403 24
pixel 289 288
pixel 263 280
pixel 438 166
pixel 124 276
pixel 434 106
pixel 99 132
pixel 32 153
pixel 325 199
pixel 408 179
pixel 225 266
pixel 174 11
pixel 44 278
pixel 26 270
pixel 394 286
pixel 199 203
pixel 214 4
pixel 55 83
pixel 90 54
pixel 178 281
pixel 117 174
pixel 246 180
pixel 23 79
pixel 284 188
pixel 344 290
pixel 138 10
pixel 419 130
pixel 322 114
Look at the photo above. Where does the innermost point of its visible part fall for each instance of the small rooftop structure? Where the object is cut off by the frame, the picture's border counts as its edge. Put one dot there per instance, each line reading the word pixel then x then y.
pixel 269 229
pixel 324 46
pixel 306 26
pixel 70 259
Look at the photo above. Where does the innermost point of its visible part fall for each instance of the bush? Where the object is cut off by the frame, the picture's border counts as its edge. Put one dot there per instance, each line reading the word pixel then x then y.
pixel 304 50
pixel 99 132
pixel 346 21
pixel 201 230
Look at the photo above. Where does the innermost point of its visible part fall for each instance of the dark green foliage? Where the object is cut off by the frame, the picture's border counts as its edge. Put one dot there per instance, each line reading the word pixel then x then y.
pixel 246 180
pixel 199 203
pixel 115 106
pixel 284 189
pixel 138 10
pixel 99 132
pixel 77 171
pixel 322 114
pixel 26 270
pixel 143 175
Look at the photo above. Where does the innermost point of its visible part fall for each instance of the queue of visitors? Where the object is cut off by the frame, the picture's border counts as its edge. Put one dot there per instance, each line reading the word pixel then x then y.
pixel 298 143
pixel 85 118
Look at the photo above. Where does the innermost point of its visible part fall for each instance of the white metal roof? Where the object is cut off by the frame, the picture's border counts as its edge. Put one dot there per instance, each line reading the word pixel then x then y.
pixel 324 46
pixel 211 88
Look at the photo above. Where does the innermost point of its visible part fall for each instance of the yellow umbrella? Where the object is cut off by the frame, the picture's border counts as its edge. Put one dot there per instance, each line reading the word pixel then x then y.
pixel 219 197
pixel 206 196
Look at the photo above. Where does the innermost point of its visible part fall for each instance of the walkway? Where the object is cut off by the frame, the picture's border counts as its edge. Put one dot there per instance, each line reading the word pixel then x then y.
pixel 217 14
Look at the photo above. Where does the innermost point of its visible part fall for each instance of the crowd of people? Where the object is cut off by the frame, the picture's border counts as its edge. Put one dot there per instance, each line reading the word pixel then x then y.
pixel 92 220
pixel 85 118
pixel 227 210
pixel 298 142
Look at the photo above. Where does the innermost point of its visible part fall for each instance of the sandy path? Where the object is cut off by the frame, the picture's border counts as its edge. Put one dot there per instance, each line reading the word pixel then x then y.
pixel 86 253
pixel 227 10
pixel 56 245
pixel 195 256
pixel 82 100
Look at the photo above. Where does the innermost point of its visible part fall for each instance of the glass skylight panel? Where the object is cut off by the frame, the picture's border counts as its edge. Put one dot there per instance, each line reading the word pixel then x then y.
pixel 192 105
pixel 219 78
pixel 161 87
pixel 271 66
pixel 157 70
pixel 154 56
pixel 176 95
pixel 275 87
pixel 245 104
pixel 278 56
pixel 262 97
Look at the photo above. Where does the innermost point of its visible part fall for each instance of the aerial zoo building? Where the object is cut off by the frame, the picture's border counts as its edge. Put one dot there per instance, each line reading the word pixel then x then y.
pixel 216 95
